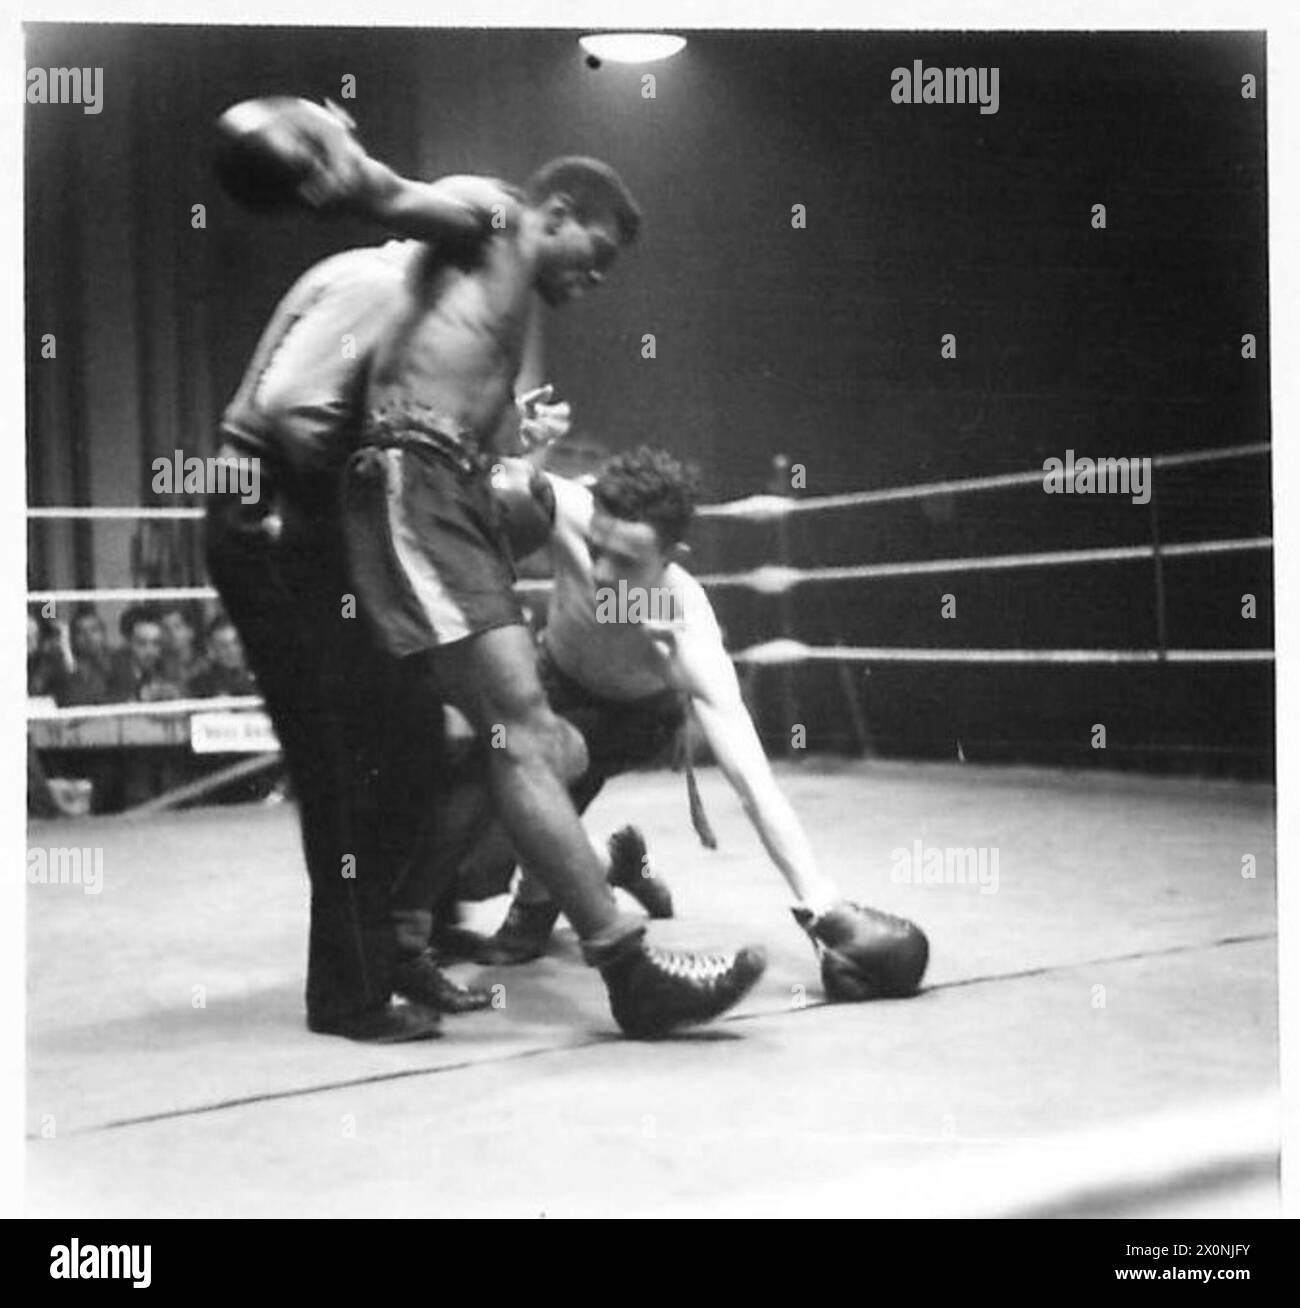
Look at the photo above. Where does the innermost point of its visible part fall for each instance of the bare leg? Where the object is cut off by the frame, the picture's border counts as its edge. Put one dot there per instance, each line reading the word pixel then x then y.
pixel 492 679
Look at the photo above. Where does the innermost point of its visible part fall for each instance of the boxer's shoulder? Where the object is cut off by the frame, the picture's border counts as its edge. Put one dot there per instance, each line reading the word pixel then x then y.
pixel 691 602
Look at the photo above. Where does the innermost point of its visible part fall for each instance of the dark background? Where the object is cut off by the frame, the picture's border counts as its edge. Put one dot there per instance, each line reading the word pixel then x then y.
pixel 822 344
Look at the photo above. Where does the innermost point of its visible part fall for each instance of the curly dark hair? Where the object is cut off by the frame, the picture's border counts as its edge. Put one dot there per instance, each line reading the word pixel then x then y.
pixel 594 188
pixel 649 485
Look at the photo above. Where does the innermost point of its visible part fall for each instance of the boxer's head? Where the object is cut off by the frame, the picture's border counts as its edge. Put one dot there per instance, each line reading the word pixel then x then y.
pixel 644 503
pixel 586 215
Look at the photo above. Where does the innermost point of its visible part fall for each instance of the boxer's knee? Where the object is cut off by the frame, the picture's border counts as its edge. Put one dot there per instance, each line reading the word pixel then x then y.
pixel 572 758
pixel 558 744
pixel 531 734
pixel 510 712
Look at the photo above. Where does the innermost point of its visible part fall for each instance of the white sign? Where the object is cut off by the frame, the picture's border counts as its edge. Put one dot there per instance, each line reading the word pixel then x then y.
pixel 232 733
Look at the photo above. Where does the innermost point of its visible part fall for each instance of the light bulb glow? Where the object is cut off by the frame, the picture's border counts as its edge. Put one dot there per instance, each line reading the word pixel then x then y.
pixel 632 47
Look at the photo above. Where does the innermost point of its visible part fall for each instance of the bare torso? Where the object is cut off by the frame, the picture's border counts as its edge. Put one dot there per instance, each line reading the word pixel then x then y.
pixel 457 340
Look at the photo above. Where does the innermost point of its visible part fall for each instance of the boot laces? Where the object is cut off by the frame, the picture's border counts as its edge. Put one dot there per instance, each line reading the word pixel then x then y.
pixel 704 968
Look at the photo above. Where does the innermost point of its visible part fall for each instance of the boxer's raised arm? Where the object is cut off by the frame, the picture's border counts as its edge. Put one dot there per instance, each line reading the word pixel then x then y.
pixel 450 208
pixel 279 150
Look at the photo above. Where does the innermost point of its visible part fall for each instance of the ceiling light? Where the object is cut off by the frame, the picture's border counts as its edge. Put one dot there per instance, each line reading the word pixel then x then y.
pixel 632 47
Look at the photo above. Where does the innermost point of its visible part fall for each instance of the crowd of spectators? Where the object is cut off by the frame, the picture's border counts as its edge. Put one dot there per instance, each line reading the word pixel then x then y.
pixel 161 657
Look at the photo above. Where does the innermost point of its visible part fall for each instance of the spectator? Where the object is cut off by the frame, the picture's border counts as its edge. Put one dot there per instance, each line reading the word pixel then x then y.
pixel 48 657
pixel 88 682
pixel 226 672
pixel 136 673
pixel 182 661
pixel 135 670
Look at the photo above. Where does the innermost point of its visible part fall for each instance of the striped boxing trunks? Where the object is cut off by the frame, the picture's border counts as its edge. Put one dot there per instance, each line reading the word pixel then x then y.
pixel 427 550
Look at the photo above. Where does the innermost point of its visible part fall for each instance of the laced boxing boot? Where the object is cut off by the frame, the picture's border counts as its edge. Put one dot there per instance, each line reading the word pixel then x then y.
pixel 423 982
pixel 629 870
pixel 652 991
pixel 866 953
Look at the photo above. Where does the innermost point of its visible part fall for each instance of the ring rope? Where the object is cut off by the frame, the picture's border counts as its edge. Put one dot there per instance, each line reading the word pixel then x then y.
pixel 756 508
pixel 114 513
pixel 761 508
pixel 768 579
pixel 162 708
pixel 774 579
pixel 794 651
pixel 108 594
pixel 769 653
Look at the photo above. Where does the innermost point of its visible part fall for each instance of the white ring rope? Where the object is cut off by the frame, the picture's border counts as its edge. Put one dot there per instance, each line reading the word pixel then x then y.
pixel 160 708
pixel 774 579
pixel 109 594
pixel 757 508
pixel 115 513
pixel 762 508
pixel 769 653
pixel 770 579
pixel 794 651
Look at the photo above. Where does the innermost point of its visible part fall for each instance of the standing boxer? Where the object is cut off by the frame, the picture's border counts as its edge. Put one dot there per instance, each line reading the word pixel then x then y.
pixel 359 756
pixel 432 568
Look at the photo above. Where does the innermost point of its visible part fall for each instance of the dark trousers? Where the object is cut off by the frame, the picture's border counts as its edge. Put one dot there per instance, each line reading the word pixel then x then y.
pixel 360 763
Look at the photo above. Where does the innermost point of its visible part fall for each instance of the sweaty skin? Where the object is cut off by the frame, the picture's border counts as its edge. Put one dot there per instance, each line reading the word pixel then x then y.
pixel 467 308
pixel 459 332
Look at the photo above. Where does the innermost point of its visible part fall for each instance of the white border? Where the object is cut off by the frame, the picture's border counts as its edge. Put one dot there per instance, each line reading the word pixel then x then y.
pixel 1276 17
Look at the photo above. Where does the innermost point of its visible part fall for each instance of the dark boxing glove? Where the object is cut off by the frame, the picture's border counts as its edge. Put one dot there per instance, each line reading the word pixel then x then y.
pixel 266 151
pixel 866 954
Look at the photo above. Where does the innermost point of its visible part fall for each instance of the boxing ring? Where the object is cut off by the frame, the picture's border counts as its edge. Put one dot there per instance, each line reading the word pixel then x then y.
pixel 1097 1034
